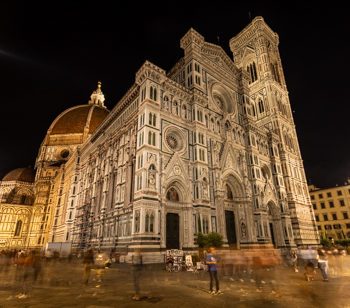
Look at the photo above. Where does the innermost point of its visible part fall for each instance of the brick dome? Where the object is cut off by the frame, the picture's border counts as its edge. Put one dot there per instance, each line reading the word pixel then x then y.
pixel 21 174
pixel 74 120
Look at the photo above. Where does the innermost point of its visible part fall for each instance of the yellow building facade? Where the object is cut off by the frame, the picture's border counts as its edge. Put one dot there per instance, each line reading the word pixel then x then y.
pixel 332 210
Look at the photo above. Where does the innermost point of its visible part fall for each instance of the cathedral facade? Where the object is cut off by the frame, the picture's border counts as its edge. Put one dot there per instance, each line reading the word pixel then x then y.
pixel 209 146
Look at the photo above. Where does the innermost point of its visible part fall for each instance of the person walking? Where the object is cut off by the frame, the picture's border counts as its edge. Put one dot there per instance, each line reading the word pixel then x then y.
pixel 323 265
pixel 294 258
pixel 211 261
pixel 136 270
pixel 88 261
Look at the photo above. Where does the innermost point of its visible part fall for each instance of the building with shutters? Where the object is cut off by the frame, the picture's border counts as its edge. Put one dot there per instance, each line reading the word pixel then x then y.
pixel 332 210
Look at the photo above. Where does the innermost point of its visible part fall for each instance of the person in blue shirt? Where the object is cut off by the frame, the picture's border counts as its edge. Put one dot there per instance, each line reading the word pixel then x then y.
pixel 213 272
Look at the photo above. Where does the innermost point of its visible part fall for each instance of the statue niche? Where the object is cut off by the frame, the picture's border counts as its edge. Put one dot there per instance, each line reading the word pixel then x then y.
pixel 152 177
pixel 228 191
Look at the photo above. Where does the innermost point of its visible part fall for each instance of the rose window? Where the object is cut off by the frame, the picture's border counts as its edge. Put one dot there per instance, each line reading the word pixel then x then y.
pixel 172 141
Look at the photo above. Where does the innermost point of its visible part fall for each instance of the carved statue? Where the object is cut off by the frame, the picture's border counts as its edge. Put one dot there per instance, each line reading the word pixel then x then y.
pixel 243 230
pixel 151 181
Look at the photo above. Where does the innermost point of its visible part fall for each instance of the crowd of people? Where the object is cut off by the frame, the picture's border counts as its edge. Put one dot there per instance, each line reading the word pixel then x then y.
pixel 23 267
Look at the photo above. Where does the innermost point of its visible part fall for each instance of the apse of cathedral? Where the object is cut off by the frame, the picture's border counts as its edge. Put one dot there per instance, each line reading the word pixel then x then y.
pixel 209 146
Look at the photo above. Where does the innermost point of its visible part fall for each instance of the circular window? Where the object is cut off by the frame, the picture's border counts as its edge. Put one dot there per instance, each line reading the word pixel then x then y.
pixel 64 153
pixel 172 141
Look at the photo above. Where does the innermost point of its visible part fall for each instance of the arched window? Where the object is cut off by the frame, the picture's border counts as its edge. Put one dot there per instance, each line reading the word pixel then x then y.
pixel 251 69
pixel 150 119
pixel 261 106
pixel 154 139
pixel 151 223
pixel 253 108
pixel 151 93
pixel 155 94
pixel 18 228
pixel 206 122
pixel 74 190
pixel 149 137
pixel 184 111
pixel 147 223
pixel 154 120
pixel 176 107
pixel 151 167
pixel 23 199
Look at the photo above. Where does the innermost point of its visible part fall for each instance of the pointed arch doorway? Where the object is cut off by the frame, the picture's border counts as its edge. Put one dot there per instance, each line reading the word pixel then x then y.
pixel 230 228
pixel 172 231
pixel 271 221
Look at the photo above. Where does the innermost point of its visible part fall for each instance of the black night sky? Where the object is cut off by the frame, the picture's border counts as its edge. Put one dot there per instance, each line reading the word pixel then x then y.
pixel 53 53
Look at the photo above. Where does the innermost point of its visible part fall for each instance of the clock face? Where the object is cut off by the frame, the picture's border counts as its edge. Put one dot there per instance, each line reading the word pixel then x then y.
pixel 177 170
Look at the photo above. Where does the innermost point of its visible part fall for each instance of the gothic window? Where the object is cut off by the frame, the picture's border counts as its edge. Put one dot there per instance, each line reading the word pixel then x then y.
pixel 23 199
pixel 172 195
pixel 199 115
pixel 154 139
pixel 253 108
pixel 74 190
pixel 150 117
pixel 205 226
pixel 206 122
pixel 149 137
pixel 18 228
pixel 176 107
pixel 261 106
pixel 184 108
pixel 149 223
pixel 154 120
pixel 153 93
pixel 251 69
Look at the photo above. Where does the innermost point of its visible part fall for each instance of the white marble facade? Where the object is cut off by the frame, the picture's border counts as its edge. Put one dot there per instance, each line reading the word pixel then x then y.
pixel 208 146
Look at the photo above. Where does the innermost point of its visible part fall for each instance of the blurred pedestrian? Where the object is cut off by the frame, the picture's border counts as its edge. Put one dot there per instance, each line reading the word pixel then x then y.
pixel 88 261
pixel 323 265
pixel 27 275
pixel 294 258
pixel 309 271
pixel 37 264
pixel 136 270
pixel 211 261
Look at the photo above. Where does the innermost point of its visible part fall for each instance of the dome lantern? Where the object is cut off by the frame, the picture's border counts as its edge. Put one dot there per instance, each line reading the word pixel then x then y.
pixel 97 97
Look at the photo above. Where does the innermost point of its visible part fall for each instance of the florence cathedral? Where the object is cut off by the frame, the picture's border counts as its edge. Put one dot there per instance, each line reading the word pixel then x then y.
pixel 209 146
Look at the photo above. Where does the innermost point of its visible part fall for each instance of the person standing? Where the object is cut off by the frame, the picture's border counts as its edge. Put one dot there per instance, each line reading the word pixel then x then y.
pixel 136 270
pixel 88 261
pixel 295 261
pixel 211 261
